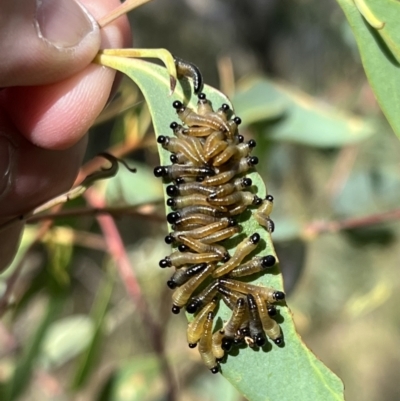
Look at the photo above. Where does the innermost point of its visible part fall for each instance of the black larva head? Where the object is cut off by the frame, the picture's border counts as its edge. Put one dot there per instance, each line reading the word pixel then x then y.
pixel 278 341
pixel 166 262
pixel 212 196
pixel 252 161
pixel 237 121
pixel 183 248
pixel 171 202
pixel 162 139
pixel 255 238
pixel 160 171
pixel 173 217
pixel 174 125
pixel 240 138
pixel 202 96
pixel 192 306
pixel 225 107
pixel 252 143
pixel 268 261
pixel 214 370
pixel 247 182
pixel 226 344
pixel 278 295
pixel 169 239
pixel 269 198
pixel 192 345
pixel 272 310
pixel 175 309
pixel 174 158
pixel 179 180
pixel 172 190
pixel 259 339
pixel 171 284
pixel 177 105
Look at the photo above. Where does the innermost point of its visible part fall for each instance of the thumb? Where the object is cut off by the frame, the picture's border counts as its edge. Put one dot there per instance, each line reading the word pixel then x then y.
pixel 44 41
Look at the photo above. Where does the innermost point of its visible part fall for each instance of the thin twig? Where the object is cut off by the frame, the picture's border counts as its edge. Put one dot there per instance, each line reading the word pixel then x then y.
pixel 316 228
pixel 124 8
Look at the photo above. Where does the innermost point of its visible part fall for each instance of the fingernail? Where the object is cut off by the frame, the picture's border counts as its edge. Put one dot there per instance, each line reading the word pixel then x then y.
pixel 64 23
pixel 5 165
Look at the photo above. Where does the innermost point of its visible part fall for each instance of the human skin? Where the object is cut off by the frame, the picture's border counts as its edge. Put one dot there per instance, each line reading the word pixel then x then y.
pixel 50 96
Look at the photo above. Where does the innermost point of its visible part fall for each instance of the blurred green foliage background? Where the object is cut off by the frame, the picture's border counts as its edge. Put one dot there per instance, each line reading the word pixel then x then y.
pixel 71 332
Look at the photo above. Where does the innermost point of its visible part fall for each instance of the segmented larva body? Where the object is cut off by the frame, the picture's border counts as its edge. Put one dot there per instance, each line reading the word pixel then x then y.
pixel 208 188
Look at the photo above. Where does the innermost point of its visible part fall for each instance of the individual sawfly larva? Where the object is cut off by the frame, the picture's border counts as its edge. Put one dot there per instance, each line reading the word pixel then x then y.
pixel 256 329
pixel 247 246
pixel 205 345
pixel 196 326
pixel 223 190
pixel 177 170
pixel 182 294
pixel 189 70
pixel 263 212
pixel 178 259
pixel 269 294
pixel 270 326
pixel 181 276
pixel 202 298
pixel 253 266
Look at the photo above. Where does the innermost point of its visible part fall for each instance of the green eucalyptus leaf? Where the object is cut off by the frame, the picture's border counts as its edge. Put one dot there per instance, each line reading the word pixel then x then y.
pixel 380 51
pixel 298 117
pixel 288 373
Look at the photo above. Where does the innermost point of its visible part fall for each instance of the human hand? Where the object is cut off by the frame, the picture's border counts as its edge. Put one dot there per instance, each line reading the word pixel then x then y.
pixel 51 95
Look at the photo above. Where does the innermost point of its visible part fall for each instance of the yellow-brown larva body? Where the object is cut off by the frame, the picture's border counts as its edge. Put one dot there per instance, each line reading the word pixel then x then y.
pixel 212 142
pixel 234 151
pixel 216 346
pixel 195 209
pixel 174 171
pixel 204 106
pixel 253 266
pixel 179 202
pixel 176 145
pixel 263 212
pixel 269 294
pixel 182 294
pixel 196 219
pixel 247 246
pixel 221 235
pixel 270 326
pixel 189 188
pixel 196 326
pixel 242 197
pixel 205 345
pixel 178 259
pixel 205 231
pixel 201 247
pixel 226 189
